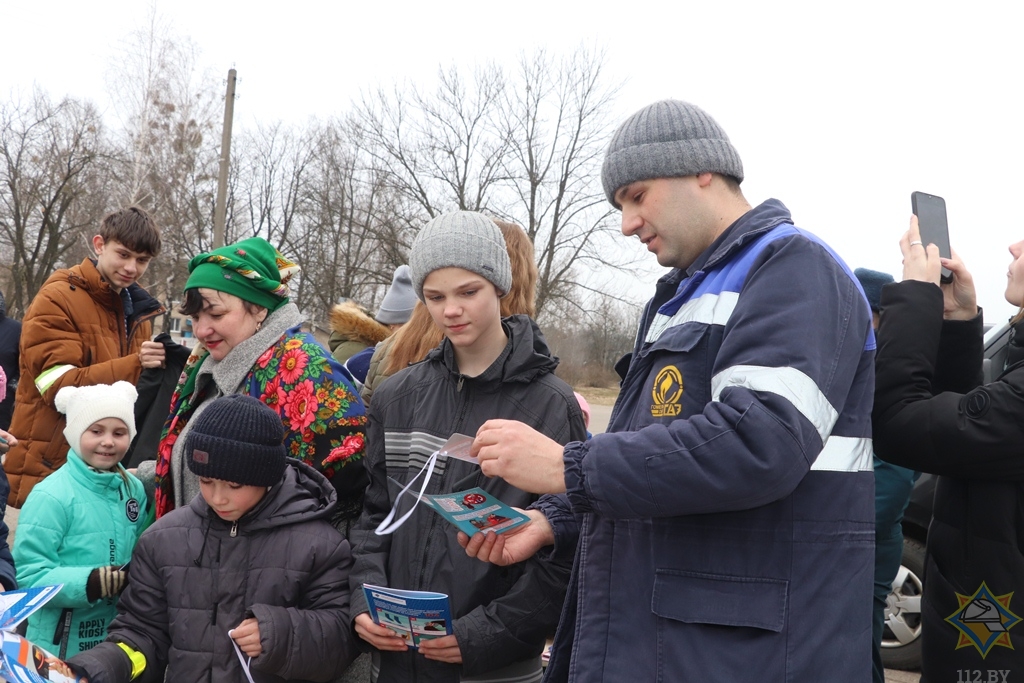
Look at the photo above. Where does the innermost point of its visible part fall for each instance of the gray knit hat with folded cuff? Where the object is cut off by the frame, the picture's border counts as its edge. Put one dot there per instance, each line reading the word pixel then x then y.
pixel 667 139
pixel 399 300
pixel 237 438
pixel 461 239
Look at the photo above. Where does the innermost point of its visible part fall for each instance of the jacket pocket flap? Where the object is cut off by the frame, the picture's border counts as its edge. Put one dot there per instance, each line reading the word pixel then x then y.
pixel 680 339
pixel 695 598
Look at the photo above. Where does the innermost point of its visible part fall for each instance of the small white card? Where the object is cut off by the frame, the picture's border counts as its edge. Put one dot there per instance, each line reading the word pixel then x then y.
pixel 458 447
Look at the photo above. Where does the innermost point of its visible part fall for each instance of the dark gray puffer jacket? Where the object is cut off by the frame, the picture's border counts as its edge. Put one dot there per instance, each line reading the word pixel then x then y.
pixel 194 576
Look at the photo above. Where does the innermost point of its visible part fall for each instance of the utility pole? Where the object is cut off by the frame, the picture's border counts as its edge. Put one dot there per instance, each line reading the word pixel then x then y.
pixel 220 211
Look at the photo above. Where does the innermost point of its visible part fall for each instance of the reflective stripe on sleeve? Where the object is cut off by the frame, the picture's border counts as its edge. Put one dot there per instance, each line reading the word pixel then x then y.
pixel 48 376
pixel 138 660
pixel 789 383
pixel 845 454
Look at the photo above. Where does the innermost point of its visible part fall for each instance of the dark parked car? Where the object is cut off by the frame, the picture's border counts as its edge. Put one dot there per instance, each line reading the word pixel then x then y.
pixel 901 644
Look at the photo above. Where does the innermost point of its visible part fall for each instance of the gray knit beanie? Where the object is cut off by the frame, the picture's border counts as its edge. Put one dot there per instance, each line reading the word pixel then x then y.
pixel 399 300
pixel 237 438
pixel 461 239
pixel 667 139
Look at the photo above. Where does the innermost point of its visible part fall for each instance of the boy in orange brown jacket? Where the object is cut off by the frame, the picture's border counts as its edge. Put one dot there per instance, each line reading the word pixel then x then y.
pixel 88 324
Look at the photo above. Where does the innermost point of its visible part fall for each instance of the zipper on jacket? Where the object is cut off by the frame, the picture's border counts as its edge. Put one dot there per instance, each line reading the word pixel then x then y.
pixel 122 325
pixel 130 332
pixel 214 618
pixel 63 634
pixel 62 625
pixel 462 378
pixel 234 531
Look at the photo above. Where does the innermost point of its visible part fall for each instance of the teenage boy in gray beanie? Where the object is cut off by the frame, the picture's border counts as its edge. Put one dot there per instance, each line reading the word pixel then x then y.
pixel 732 493
pixel 250 575
pixel 486 367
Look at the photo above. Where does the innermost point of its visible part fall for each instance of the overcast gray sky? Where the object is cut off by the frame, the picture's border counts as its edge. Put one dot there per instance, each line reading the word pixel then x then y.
pixel 838 109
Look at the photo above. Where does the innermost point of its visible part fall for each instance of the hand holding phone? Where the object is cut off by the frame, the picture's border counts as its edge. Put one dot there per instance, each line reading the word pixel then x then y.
pixel 922 263
pixel 931 220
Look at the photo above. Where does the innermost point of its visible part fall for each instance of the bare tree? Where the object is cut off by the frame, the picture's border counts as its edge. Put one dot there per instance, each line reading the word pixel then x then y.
pixel 341 246
pixel 590 343
pixel 439 149
pixel 554 114
pixel 166 107
pixel 272 167
pixel 355 224
pixel 525 146
pixel 271 172
pixel 50 188
pixel 168 150
pixel 311 193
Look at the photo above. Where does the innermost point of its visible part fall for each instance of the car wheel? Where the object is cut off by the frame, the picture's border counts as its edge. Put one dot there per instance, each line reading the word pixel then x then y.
pixel 901 639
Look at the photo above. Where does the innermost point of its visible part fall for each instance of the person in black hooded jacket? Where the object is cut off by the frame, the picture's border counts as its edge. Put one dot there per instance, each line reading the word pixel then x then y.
pixel 486 367
pixel 933 414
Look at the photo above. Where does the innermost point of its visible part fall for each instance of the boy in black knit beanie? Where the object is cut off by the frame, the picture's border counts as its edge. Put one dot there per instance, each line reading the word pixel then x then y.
pixel 250 574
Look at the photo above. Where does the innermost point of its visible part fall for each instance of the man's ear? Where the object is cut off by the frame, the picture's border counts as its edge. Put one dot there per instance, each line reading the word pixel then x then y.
pixel 704 179
pixel 97 243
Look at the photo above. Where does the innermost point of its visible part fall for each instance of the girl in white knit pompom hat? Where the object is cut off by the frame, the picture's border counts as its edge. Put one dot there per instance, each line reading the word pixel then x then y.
pixel 79 526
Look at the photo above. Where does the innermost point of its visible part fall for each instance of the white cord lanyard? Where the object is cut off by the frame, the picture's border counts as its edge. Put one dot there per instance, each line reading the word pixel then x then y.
pixel 386 526
pixel 456 447
pixel 241 658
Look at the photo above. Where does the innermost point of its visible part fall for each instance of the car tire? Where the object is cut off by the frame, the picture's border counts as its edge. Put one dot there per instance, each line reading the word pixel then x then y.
pixel 901 638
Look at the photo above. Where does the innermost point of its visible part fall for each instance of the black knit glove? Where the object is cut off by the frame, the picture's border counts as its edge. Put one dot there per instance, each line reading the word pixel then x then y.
pixel 105 582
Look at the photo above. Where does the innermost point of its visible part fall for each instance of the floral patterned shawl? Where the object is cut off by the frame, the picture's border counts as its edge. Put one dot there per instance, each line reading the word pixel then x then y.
pixel 316 399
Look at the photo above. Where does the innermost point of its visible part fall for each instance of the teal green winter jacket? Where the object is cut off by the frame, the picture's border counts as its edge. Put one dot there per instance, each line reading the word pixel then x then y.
pixel 75 520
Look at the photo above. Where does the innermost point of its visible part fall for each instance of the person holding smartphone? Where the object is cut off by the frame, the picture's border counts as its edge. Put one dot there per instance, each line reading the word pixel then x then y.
pixel 932 413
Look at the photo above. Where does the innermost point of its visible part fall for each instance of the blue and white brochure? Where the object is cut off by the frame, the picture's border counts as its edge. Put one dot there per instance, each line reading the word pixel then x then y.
pixel 475 510
pixel 17 604
pixel 415 616
pixel 22 661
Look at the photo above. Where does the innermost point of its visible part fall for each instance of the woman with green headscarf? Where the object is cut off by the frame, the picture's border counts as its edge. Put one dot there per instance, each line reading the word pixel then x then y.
pixel 250 342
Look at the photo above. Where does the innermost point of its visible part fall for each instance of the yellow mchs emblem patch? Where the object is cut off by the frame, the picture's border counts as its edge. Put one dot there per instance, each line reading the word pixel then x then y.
pixel 984 620
pixel 668 389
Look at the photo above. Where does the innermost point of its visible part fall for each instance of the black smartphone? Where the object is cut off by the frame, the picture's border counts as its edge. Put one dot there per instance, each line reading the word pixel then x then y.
pixel 931 219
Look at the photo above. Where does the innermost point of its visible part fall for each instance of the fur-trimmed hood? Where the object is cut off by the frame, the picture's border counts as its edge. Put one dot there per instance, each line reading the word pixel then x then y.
pixel 348 320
